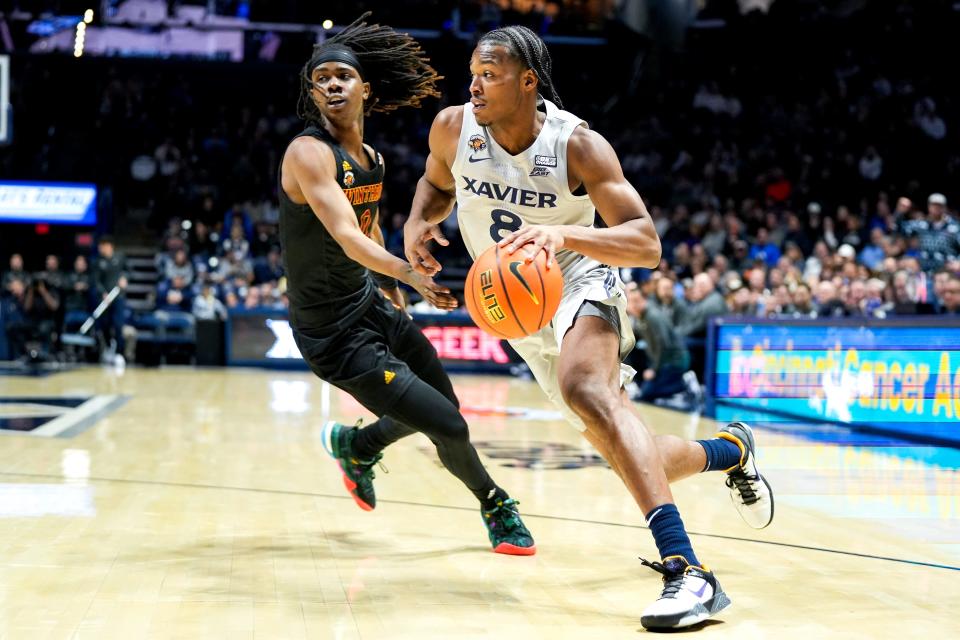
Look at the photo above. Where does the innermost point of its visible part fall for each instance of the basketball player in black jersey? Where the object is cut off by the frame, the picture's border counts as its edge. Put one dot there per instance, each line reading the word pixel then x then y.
pixel 348 332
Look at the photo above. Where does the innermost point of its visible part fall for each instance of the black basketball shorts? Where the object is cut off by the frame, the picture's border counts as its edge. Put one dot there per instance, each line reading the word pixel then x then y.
pixel 373 360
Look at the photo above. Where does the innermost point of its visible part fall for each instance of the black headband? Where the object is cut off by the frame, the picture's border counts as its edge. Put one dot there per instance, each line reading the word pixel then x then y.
pixel 339 54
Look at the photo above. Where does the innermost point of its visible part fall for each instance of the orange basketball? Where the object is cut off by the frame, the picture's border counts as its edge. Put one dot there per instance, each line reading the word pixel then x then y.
pixel 508 298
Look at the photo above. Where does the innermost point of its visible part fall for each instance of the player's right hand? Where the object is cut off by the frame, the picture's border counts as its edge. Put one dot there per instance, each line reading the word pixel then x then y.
pixel 416 235
pixel 437 295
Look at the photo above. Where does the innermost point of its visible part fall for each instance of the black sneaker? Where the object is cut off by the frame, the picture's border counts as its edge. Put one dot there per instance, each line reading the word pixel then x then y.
pixel 690 595
pixel 506 530
pixel 358 474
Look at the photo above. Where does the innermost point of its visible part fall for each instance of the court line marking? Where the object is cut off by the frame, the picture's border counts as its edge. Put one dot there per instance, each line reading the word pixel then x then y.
pixel 80 418
pixel 189 485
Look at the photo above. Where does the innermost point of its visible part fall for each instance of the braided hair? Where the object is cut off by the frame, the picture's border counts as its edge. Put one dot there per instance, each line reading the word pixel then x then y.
pixel 397 68
pixel 527 47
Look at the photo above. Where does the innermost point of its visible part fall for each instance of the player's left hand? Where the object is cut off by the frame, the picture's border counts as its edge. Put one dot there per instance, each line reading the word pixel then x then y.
pixel 546 238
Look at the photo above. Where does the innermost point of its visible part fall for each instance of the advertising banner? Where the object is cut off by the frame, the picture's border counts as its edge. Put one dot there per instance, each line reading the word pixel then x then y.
pixel 48 202
pixel 900 375
pixel 264 338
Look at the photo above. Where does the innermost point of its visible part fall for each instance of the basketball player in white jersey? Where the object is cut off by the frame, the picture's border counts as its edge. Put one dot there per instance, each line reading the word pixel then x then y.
pixel 524 172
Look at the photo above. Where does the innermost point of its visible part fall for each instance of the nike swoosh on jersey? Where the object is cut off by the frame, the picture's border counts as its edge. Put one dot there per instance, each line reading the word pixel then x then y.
pixel 515 270
pixel 472 159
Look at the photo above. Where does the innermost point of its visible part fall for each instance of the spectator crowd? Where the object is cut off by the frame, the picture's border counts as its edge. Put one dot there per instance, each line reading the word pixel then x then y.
pixel 781 185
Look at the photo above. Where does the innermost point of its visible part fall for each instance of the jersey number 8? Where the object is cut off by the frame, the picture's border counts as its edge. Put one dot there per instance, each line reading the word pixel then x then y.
pixel 503 221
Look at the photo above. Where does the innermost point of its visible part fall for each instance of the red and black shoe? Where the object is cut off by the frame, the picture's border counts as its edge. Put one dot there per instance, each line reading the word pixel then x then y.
pixel 506 530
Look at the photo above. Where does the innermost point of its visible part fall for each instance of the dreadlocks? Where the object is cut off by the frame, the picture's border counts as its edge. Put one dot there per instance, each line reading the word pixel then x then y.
pixel 527 47
pixel 393 63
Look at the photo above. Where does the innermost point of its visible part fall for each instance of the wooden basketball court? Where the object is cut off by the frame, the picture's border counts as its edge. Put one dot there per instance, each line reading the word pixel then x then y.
pixel 182 503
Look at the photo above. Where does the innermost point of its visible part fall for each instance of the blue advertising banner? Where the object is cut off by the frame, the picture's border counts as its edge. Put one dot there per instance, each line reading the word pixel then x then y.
pixel 48 202
pixel 900 375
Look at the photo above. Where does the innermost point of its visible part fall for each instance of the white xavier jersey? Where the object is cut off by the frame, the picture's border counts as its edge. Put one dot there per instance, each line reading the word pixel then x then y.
pixel 498 193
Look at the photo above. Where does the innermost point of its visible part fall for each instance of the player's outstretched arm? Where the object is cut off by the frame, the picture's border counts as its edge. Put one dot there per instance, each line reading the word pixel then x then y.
pixel 630 239
pixel 312 165
pixel 389 289
pixel 436 193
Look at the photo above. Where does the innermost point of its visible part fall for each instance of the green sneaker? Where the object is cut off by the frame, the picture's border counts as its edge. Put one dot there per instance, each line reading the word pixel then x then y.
pixel 506 530
pixel 358 474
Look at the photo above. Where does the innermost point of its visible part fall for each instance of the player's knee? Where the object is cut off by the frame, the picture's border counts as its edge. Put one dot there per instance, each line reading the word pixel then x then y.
pixel 434 375
pixel 455 431
pixel 452 397
pixel 591 399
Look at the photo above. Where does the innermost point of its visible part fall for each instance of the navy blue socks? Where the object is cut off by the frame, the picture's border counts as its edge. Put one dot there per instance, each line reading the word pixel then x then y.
pixel 668 532
pixel 722 454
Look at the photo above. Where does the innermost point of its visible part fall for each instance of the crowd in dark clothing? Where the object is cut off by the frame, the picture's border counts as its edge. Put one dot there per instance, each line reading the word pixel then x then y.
pixel 36 307
pixel 780 184
pixel 206 272
pixel 902 260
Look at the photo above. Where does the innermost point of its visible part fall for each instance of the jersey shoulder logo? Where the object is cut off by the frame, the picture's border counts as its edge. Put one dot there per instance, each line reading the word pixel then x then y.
pixel 346 166
pixel 388 376
pixel 539 171
pixel 545 161
pixel 477 143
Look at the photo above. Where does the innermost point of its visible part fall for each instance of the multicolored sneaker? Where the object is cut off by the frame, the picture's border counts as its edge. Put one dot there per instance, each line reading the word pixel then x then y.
pixel 506 530
pixel 358 474
pixel 750 492
pixel 690 595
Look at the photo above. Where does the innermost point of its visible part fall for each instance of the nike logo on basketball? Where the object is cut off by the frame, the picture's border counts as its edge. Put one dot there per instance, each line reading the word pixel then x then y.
pixel 472 159
pixel 515 270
